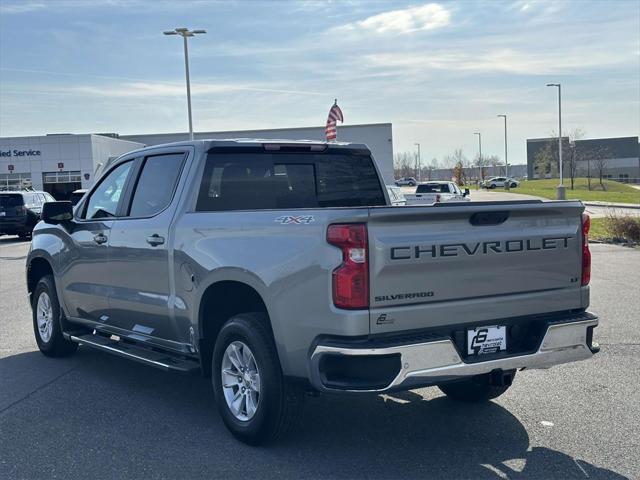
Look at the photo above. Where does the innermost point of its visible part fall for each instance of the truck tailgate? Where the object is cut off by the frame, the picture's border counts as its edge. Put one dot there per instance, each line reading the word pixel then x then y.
pixel 452 263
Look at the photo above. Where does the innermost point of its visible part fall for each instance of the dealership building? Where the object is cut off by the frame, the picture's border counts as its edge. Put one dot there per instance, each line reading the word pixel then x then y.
pixel 62 163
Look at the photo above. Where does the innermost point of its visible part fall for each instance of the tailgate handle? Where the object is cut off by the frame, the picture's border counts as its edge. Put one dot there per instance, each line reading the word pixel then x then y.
pixel 488 218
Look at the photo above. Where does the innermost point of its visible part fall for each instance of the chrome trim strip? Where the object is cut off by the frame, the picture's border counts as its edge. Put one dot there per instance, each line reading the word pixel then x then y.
pixel 562 343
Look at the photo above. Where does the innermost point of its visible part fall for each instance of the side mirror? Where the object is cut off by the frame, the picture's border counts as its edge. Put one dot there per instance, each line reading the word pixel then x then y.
pixel 57 212
pixel 466 192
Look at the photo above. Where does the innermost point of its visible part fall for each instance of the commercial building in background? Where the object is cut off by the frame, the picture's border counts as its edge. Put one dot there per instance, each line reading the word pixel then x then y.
pixel 62 163
pixel 377 136
pixel 618 158
pixel 58 163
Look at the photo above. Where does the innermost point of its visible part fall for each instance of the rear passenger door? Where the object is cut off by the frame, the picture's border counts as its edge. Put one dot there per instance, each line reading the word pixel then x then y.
pixel 140 296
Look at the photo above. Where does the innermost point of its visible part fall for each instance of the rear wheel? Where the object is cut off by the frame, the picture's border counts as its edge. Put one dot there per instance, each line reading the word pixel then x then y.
pixel 475 389
pixel 255 401
pixel 46 320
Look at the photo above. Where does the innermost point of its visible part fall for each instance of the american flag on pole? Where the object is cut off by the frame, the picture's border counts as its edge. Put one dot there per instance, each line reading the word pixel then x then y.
pixel 335 114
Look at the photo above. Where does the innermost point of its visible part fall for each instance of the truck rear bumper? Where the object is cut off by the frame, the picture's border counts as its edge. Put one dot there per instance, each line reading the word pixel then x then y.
pixel 413 365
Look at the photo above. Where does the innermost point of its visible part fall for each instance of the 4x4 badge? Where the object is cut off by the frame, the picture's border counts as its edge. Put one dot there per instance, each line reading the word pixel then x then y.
pixel 300 220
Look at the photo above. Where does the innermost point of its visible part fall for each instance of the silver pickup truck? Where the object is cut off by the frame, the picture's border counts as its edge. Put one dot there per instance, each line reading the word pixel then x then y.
pixel 279 268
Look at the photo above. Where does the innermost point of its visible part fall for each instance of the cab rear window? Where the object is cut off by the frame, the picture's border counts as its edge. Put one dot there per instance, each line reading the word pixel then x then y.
pixel 275 180
pixel 11 200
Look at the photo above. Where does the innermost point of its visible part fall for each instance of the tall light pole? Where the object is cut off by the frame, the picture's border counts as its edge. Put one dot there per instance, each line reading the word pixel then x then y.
pixel 506 159
pixel 560 193
pixel 479 156
pixel 418 161
pixel 186 33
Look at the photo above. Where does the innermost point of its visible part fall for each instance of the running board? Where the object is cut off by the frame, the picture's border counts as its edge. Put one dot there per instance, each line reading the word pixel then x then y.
pixel 154 358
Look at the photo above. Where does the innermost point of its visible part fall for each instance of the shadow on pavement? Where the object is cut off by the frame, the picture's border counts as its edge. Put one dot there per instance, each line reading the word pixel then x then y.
pixel 99 416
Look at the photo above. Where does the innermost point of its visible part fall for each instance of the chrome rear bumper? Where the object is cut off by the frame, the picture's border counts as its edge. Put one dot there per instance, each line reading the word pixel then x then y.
pixel 430 363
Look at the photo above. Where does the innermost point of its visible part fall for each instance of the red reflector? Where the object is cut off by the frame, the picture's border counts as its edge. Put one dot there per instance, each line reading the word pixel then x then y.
pixel 351 278
pixel 586 254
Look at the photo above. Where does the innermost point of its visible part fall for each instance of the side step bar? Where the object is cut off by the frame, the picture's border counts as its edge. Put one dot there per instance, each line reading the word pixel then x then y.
pixel 162 360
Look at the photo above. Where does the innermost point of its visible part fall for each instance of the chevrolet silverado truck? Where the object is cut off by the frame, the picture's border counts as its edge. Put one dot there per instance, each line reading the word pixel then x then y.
pixel 435 192
pixel 279 268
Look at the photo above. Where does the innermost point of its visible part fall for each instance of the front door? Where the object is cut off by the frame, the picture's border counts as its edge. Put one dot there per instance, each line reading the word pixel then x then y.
pixel 140 300
pixel 84 282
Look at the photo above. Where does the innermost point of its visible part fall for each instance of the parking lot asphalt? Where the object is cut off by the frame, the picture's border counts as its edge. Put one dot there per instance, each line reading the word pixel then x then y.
pixel 99 416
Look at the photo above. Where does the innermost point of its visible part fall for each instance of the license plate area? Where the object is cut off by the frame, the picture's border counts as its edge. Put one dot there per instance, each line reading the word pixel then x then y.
pixel 486 340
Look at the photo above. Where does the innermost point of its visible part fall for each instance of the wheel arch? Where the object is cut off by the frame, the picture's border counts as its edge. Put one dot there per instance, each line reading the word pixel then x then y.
pixel 219 301
pixel 37 268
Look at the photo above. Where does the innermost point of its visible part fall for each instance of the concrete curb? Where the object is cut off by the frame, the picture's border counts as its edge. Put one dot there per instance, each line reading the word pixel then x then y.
pixel 612 205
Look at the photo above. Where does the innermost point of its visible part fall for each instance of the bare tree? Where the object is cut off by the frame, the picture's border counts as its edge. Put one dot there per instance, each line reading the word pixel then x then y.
pixel 600 163
pixel 571 160
pixel 430 167
pixel 482 163
pixel 404 165
pixel 451 160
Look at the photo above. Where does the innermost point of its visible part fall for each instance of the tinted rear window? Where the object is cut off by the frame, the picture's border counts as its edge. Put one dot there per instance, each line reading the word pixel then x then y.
pixel 433 188
pixel 12 200
pixel 264 180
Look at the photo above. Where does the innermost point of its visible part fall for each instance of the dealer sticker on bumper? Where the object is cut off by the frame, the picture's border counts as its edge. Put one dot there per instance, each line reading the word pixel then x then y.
pixel 483 340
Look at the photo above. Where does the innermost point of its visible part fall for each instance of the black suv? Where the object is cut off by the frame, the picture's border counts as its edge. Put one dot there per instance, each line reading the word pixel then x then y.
pixel 20 211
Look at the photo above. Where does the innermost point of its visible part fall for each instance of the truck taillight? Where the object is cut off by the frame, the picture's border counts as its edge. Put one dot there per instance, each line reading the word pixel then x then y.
pixel 586 254
pixel 351 278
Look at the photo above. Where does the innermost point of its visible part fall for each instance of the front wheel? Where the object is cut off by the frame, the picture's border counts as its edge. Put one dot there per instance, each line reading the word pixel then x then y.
pixel 256 403
pixel 514 185
pixel 475 389
pixel 46 320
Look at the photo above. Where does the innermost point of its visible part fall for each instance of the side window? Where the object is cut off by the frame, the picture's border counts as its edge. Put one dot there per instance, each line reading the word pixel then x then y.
pixel 31 200
pixel 48 198
pixel 156 184
pixel 103 202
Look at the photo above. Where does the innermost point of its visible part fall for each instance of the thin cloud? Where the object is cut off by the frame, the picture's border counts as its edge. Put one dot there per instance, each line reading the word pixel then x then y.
pixel 22 7
pixel 157 90
pixel 425 17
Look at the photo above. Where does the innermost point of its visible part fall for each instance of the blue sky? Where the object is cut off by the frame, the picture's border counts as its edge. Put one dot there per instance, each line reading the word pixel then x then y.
pixel 438 71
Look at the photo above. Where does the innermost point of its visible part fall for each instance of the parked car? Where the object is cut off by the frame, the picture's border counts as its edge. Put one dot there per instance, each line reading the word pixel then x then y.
pixel 406 182
pixel 499 182
pixel 396 197
pixel 77 195
pixel 436 192
pixel 277 268
pixel 20 211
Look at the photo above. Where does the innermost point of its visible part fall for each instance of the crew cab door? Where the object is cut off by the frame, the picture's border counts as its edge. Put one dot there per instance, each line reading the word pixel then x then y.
pixel 84 280
pixel 139 249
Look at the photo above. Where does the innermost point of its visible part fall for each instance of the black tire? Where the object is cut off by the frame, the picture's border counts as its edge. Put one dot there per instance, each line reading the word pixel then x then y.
pixel 53 345
pixel 513 185
pixel 492 186
pixel 474 389
pixel 279 403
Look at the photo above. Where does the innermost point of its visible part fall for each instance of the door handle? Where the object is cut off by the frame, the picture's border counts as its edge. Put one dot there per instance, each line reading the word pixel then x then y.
pixel 155 240
pixel 100 238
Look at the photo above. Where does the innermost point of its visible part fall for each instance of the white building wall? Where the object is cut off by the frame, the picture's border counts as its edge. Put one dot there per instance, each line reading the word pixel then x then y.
pixel 75 152
pixel 378 137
